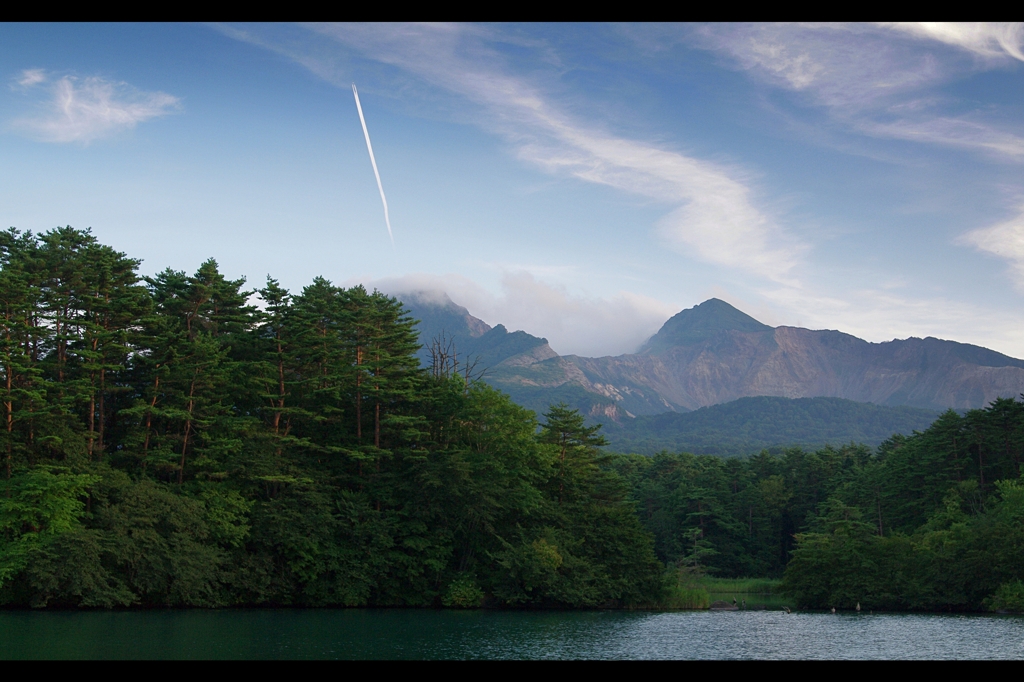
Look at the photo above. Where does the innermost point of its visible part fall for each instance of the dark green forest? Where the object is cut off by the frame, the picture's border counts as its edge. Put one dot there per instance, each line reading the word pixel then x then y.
pixel 180 440
pixel 930 521
pixel 165 442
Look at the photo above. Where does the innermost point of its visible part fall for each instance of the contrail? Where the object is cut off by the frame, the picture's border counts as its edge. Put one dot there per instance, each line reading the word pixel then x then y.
pixel 369 148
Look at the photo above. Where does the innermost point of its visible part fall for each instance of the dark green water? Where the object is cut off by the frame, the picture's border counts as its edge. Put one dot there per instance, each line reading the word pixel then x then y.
pixel 428 634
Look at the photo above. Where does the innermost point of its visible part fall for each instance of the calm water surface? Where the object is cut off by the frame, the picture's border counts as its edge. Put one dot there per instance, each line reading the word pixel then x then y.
pixel 427 634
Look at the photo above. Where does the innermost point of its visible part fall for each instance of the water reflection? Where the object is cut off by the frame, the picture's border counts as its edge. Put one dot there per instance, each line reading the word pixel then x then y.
pixel 424 634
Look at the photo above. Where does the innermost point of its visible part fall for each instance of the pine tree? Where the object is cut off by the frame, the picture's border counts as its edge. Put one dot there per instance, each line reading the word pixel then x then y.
pixel 315 327
pixel 395 370
pixel 199 321
pixel 23 388
pixel 113 305
pixel 577 449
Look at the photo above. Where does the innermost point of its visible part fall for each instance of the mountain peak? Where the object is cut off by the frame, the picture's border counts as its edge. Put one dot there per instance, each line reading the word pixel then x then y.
pixel 444 315
pixel 701 322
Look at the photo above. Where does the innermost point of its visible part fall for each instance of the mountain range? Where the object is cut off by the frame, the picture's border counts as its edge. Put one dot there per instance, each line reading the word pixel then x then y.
pixel 714 353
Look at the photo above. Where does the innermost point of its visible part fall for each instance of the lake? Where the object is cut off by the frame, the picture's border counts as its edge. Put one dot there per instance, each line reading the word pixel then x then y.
pixel 443 634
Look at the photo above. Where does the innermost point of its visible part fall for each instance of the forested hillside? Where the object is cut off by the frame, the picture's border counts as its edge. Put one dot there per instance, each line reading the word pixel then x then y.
pixel 165 442
pixel 930 521
pixel 749 425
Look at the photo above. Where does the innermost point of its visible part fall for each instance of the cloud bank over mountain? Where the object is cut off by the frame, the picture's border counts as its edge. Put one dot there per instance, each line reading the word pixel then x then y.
pixel 571 323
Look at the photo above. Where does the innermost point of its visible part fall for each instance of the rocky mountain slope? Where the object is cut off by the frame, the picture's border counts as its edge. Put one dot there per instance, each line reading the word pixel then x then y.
pixel 713 353
pixel 469 339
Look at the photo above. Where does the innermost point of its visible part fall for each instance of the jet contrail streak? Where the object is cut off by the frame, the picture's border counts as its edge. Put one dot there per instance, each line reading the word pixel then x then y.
pixel 373 161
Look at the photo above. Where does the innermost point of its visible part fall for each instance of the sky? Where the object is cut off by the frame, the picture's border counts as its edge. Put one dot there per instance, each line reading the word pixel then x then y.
pixel 580 182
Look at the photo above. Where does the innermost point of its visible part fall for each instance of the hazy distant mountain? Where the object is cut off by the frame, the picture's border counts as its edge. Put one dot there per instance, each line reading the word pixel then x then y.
pixel 713 353
pixel 749 425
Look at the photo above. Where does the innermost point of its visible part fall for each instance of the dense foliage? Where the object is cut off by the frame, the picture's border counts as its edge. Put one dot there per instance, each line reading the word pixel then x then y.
pixel 935 521
pixel 734 517
pixel 931 521
pixel 177 440
pixel 165 442
pixel 748 425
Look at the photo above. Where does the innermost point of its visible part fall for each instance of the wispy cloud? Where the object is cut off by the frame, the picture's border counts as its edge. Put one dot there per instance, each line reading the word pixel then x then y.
pixel 573 324
pixel 952 132
pixel 878 79
pixel 844 67
pixel 30 77
pixel 714 214
pixel 992 40
pixel 1005 240
pixel 886 81
pixel 86 109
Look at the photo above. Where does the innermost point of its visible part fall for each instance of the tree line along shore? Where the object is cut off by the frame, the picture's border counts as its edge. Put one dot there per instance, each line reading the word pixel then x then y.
pixel 178 440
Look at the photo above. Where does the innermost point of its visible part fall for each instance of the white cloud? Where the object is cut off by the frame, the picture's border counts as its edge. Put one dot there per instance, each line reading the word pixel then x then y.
pixel 798 68
pixel 997 39
pixel 845 67
pixel 1005 240
pixel 572 324
pixel 82 110
pixel 874 78
pixel 715 217
pixel 30 77
pixel 952 132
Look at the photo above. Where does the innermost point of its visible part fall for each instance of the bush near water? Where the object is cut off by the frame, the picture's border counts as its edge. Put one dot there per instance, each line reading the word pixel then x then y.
pixel 165 442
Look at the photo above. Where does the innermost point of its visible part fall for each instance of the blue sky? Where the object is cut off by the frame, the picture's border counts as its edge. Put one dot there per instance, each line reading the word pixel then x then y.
pixel 581 182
